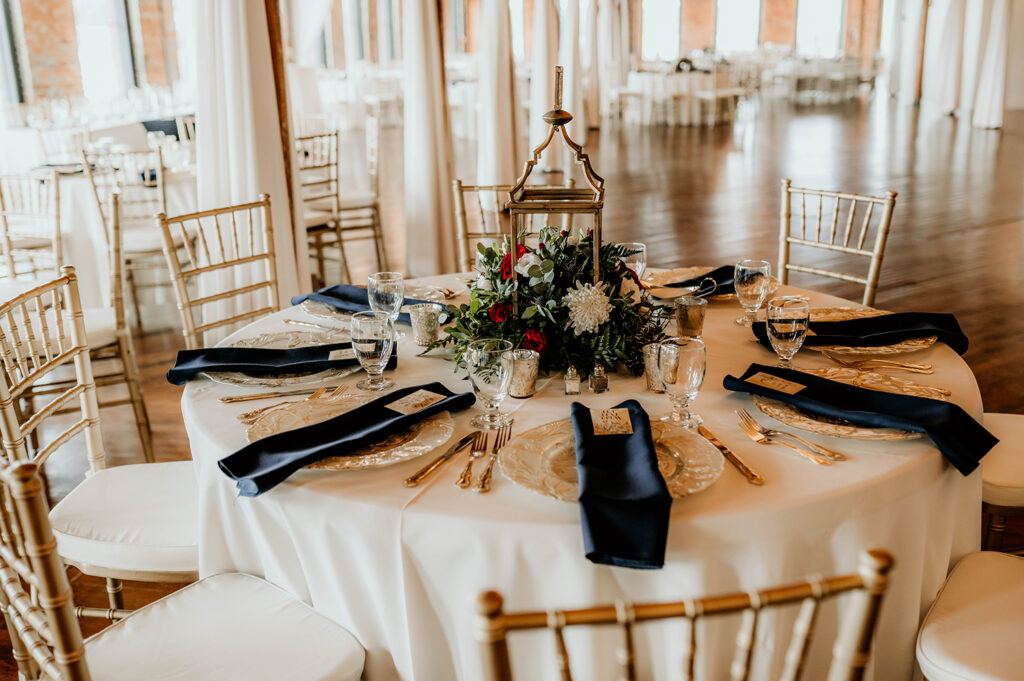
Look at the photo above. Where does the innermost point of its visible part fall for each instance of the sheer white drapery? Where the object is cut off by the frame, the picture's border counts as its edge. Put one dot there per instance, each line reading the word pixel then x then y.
pixel 498 160
pixel 238 155
pixel 910 53
pixel 569 57
pixel 943 54
pixel 542 71
pixel 588 59
pixel 429 161
pixel 308 18
pixel 991 93
pixel 613 34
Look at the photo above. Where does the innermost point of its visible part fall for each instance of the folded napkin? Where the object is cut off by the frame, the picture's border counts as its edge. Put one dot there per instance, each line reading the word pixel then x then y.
pixel 263 464
pixel 882 330
pixel 624 502
pixel 723 276
pixel 350 299
pixel 265 360
pixel 961 439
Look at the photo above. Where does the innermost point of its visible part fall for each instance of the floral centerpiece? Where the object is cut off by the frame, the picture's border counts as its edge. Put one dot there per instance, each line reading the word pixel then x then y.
pixel 559 312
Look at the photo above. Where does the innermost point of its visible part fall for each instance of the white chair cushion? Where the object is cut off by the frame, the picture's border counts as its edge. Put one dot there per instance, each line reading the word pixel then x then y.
pixel 100 325
pixel 975 627
pixel 141 517
pixel 10 288
pixel 1002 469
pixel 317 218
pixel 357 200
pixel 30 242
pixel 143 236
pixel 230 627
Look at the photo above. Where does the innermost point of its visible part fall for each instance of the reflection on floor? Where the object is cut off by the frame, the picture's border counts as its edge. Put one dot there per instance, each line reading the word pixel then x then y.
pixel 701 196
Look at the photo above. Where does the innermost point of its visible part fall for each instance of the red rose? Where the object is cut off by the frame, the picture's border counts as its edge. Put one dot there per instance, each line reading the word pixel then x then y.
pixel 536 340
pixel 507 271
pixel 499 312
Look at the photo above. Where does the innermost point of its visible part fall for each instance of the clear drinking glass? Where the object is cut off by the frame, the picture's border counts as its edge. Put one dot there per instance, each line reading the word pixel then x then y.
pixel 386 293
pixel 637 261
pixel 787 321
pixel 682 362
pixel 372 340
pixel 752 280
pixel 489 361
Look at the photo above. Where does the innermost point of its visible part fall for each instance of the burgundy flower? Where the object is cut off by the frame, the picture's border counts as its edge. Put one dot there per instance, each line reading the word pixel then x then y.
pixel 507 266
pixel 535 340
pixel 499 312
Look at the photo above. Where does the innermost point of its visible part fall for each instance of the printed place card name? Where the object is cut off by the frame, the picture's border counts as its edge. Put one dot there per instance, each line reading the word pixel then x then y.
pixel 417 401
pixel 611 421
pixel 775 383
pixel 347 353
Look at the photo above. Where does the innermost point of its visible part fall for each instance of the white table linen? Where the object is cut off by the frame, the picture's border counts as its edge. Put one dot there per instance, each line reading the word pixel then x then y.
pixel 401 567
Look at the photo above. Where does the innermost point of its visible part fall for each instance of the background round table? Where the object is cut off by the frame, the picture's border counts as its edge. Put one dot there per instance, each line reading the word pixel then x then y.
pixel 401 567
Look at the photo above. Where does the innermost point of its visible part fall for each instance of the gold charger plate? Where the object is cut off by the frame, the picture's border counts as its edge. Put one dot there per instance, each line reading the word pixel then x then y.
pixel 282 341
pixel 660 289
pixel 841 314
pixel 543 459
pixel 420 439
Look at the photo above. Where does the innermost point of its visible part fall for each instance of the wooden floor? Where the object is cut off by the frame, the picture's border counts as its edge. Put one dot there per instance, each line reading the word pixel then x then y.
pixel 699 196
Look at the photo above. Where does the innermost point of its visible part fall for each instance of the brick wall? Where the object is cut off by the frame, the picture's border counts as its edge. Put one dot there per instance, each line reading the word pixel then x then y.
pixel 778 22
pixel 698 28
pixel 159 48
pixel 51 48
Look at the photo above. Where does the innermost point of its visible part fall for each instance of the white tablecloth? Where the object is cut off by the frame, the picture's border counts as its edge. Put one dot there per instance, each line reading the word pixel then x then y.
pixel 401 567
pixel 21 149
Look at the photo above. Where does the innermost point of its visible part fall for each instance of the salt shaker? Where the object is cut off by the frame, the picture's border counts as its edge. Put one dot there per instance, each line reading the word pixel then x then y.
pixel 572 381
pixel 598 380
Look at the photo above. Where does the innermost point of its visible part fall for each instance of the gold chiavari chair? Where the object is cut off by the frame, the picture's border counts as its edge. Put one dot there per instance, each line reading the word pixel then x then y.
pixel 139 178
pixel 225 626
pixel 848 237
pixel 360 210
pixel 229 241
pixel 30 224
pixel 134 522
pixel 850 653
pixel 62 145
pixel 186 127
pixel 317 157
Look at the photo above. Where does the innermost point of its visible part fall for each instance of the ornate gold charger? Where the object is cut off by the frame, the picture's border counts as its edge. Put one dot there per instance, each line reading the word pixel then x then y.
pixel 841 314
pixel 791 416
pixel 283 340
pixel 659 282
pixel 420 439
pixel 543 459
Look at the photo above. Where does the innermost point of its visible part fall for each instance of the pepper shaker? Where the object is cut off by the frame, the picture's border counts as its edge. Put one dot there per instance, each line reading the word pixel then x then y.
pixel 598 380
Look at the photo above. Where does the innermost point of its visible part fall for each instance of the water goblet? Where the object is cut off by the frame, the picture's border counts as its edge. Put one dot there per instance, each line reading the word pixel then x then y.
pixel 681 363
pixel 385 292
pixel 372 341
pixel 787 321
pixel 752 280
pixel 636 261
pixel 489 361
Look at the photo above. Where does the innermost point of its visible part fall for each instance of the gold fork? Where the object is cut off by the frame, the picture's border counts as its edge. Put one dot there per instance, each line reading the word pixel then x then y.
pixel 500 440
pixel 860 364
pixel 477 450
pixel 762 439
pixel 248 417
pixel 770 432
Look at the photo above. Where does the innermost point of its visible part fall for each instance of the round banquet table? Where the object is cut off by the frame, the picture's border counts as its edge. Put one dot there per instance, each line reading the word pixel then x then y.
pixel 401 567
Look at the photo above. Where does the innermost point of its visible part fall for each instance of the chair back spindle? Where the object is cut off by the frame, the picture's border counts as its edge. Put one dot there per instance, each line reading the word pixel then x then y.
pixel 30 223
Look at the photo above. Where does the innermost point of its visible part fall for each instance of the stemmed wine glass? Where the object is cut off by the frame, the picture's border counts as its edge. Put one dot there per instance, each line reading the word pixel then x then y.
pixel 681 363
pixel 752 280
pixel 636 261
pixel 489 361
pixel 386 293
pixel 372 341
pixel 787 321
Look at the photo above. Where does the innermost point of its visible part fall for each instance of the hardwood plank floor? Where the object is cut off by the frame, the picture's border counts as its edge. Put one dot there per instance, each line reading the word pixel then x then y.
pixel 711 196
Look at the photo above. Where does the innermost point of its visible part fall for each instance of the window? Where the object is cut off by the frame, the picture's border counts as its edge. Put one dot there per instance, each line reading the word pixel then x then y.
pixel 390 40
pixel 659 30
pixel 104 48
pixel 819 27
pixel 185 39
pixel 10 78
pixel 457 25
pixel 737 25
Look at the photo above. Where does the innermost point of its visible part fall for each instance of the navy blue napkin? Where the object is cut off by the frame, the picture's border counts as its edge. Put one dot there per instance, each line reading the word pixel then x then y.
pixel 263 361
pixel 261 465
pixel 961 439
pixel 723 276
pixel 168 126
pixel 350 298
pixel 882 330
pixel 624 502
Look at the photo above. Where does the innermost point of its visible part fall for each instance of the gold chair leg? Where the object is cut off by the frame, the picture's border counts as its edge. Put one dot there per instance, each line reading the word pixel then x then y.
pixel 134 293
pixel 346 274
pixel 27 668
pixel 995 532
pixel 318 249
pixel 134 383
pixel 114 593
pixel 378 239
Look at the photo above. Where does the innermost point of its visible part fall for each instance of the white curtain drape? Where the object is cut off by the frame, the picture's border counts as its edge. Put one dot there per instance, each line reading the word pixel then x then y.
pixel 975 35
pixel 613 36
pixel 910 54
pixel 429 161
pixel 991 94
pixel 238 155
pixel 943 54
pixel 308 18
pixel 542 71
pixel 569 57
pixel 497 159
pixel 589 61
pixel 893 48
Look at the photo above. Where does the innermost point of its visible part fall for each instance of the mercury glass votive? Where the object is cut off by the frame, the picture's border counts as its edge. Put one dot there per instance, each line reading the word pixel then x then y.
pixel 426 322
pixel 690 316
pixel 651 371
pixel 525 365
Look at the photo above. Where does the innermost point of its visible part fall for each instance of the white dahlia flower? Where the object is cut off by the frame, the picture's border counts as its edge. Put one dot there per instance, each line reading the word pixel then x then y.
pixel 589 307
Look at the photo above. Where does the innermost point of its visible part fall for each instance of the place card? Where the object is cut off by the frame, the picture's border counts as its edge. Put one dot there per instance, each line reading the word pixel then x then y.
pixel 611 421
pixel 775 383
pixel 417 401
pixel 346 353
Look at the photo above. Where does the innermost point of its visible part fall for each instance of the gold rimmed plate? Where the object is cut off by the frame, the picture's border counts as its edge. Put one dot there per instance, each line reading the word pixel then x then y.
pixel 282 340
pixel 842 314
pixel 812 423
pixel 543 459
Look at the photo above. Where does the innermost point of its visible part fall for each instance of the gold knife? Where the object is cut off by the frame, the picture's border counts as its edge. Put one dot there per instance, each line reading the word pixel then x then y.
pixel 417 477
pixel 752 476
